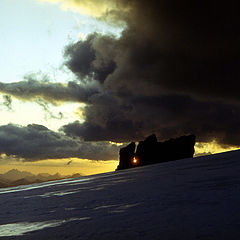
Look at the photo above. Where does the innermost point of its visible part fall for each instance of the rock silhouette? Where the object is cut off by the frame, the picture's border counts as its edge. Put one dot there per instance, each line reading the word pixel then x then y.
pixel 151 151
pixel 126 154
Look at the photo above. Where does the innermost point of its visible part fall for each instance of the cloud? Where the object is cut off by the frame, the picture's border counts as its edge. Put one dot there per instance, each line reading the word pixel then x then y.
pixel 89 7
pixel 31 89
pixel 86 59
pixel 48 113
pixel 174 70
pixel 7 102
pixel 168 116
pixel 36 142
pixel 178 47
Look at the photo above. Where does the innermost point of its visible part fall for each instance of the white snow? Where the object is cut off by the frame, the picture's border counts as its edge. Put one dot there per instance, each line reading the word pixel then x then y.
pixel 18 229
pixel 195 198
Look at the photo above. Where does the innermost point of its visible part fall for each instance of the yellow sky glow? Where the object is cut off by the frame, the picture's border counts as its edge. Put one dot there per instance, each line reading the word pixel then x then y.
pixel 86 7
pixel 211 147
pixel 84 166
pixel 32 113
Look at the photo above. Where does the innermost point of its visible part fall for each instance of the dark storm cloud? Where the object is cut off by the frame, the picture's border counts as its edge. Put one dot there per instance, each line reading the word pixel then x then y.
pixel 168 116
pixel 176 71
pixel 31 89
pixel 85 58
pixel 185 47
pixel 36 142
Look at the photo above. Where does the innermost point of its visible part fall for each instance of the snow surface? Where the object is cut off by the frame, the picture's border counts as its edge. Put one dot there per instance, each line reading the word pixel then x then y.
pixel 195 198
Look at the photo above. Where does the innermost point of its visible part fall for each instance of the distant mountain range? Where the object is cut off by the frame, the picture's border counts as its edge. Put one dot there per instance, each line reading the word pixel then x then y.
pixel 15 177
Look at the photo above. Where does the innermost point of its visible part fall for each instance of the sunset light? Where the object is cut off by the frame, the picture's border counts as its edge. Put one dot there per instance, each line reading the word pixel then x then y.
pixel 119 119
pixel 81 79
pixel 134 161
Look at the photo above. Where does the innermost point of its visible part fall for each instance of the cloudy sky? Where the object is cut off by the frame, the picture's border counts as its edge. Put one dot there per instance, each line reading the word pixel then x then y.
pixel 81 77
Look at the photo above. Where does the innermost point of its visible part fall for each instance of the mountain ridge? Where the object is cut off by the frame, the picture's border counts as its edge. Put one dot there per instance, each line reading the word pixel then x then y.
pixel 15 177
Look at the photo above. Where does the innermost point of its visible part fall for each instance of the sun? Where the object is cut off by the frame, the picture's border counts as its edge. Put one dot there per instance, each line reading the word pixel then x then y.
pixel 134 161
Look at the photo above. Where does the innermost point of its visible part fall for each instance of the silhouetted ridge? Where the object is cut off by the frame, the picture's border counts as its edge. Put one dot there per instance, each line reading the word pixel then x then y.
pixel 151 151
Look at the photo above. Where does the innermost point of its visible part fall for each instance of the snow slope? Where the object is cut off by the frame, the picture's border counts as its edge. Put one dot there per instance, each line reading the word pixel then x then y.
pixel 195 198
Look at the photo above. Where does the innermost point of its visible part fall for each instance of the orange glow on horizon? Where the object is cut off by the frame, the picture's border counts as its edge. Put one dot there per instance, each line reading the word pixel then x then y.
pixel 53 166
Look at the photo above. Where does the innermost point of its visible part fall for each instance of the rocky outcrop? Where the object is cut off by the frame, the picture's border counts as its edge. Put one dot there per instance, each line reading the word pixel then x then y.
pixel 151 151
pixel 126 155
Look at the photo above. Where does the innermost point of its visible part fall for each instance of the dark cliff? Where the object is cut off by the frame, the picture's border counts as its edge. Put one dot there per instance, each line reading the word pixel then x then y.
pixel 151 151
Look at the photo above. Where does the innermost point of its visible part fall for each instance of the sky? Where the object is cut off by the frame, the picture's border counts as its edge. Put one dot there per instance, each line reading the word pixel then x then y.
pixel 79 79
